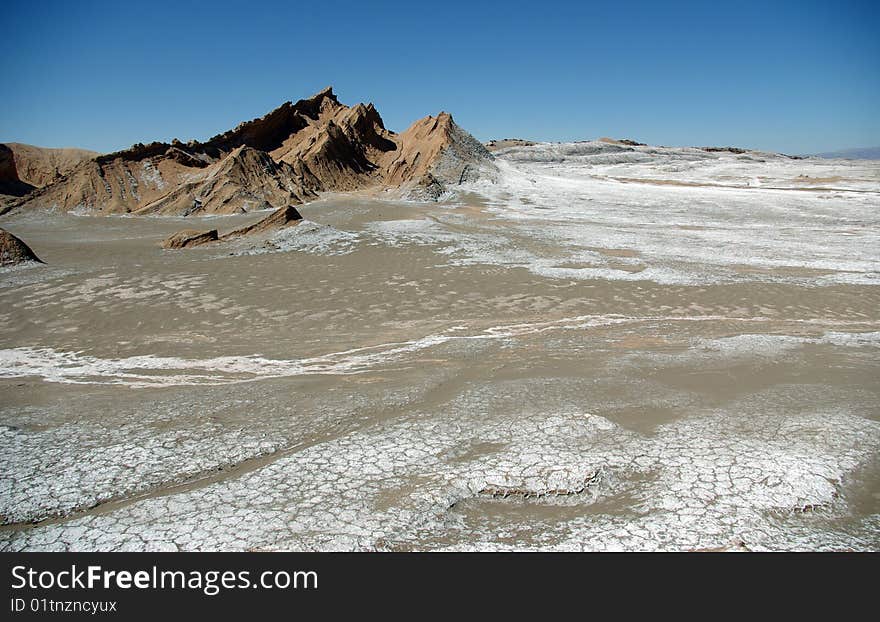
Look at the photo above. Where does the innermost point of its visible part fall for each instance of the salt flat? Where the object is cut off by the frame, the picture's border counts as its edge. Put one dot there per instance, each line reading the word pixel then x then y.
pixel 601 347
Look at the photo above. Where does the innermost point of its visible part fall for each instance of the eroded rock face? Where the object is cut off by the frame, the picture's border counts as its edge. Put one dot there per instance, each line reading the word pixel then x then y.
pixel 504 143
pixel 735 150
pixel 280 218
pixel 189 238
pixel 283 217
pixel 13 251
pixel 436 155
pixel 245 180
pixel 41 166
pixel 283 158
pixel 25 168
pixel 11 186
pixel 621 141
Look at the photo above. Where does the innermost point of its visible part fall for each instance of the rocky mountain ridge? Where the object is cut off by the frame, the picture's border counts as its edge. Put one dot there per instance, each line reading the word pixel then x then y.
pixel 24 168
pixel 284 158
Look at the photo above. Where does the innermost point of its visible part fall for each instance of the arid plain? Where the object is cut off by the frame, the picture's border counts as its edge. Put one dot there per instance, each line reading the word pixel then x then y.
pixel 592 346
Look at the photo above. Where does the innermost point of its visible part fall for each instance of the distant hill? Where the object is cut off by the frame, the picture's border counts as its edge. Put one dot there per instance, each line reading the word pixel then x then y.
pixel 865 153
pixel 24 168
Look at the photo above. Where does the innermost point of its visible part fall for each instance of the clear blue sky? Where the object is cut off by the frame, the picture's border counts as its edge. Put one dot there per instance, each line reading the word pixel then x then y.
pixel 796 77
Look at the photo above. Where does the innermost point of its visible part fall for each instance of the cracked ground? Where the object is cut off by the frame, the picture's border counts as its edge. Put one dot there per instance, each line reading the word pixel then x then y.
pixel 497 373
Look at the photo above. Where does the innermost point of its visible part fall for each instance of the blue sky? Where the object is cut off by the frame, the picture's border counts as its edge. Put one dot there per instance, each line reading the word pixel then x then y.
pixel 796 77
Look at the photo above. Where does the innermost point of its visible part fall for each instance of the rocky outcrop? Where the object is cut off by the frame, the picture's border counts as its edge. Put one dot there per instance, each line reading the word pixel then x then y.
pixel 26 168
pixel 188 238
pixel 735 150
pixel 41 166
pixel 279 219
pixel 504 143
pixel 179 182
pixel 343 147
pixel 11 185
pixel 621 141
pixel 283 158
pixel 13 251
pixel 245 180
pixel 435 155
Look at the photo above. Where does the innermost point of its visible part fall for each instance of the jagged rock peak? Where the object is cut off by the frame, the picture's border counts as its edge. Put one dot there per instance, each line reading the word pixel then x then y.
pixel 285 157
pixel 265 133
pixel 135 153
pixel 319 97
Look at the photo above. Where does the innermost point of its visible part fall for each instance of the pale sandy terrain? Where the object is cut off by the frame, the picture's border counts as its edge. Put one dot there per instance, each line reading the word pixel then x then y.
pixel 602 347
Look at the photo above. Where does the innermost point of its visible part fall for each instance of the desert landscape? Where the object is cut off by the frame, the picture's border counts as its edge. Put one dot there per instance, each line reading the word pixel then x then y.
pixel 313 333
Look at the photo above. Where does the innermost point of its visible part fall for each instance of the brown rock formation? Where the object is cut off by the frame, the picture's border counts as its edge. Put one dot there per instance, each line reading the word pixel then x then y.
pixel 435 154
pixel 421 144
pixel 283 158
pixel 14 251
pixel 735 150
pixel 280 218
pixel 245 180
pixel 504 143
pixel 188 238
pixel 41 166
pixel 11 185
pixel 621 141
pixel 25 168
